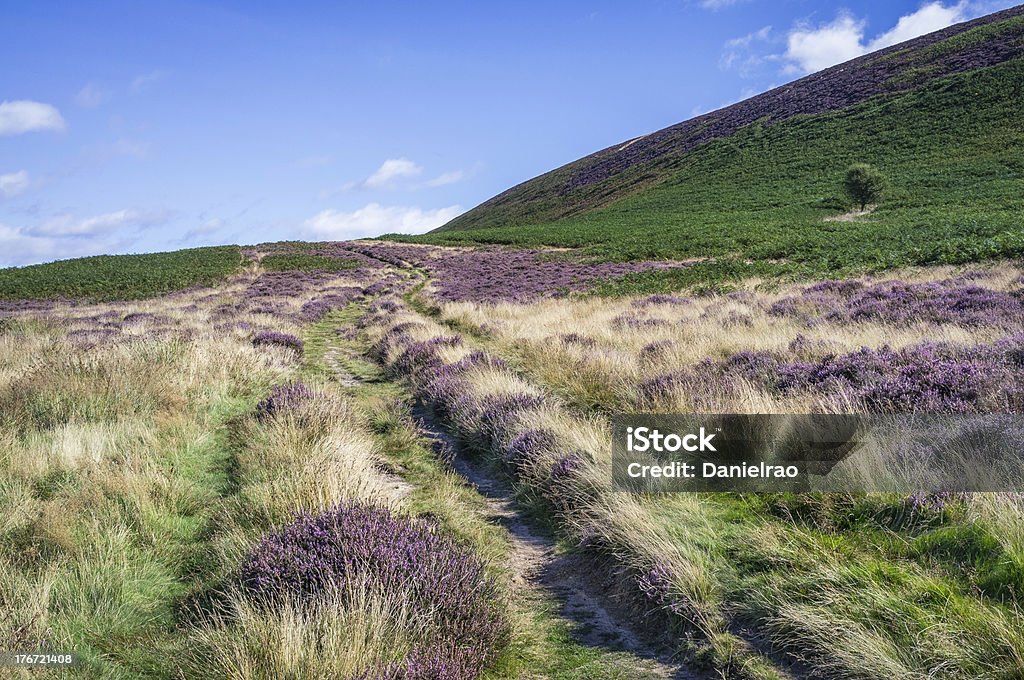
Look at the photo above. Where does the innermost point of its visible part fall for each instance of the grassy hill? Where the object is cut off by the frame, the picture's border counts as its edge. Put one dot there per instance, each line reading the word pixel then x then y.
pixel 747 188
pixel 120 277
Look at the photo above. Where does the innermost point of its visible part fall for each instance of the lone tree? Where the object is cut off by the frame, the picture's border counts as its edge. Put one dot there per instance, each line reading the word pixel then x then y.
pixel 864 184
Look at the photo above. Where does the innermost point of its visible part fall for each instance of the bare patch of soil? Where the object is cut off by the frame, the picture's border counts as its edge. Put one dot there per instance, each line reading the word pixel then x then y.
pixel 851 216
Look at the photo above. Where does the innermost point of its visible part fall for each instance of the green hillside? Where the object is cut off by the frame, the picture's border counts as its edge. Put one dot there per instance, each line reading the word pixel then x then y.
pixel 754 202
pixel 120 277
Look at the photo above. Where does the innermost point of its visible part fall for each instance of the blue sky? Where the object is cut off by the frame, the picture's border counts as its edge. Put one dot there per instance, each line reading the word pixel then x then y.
pixel 131 127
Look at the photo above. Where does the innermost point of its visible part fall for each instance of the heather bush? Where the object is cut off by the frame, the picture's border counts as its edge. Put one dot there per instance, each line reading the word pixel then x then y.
pixel 283 398
pixel 319 307
pixel 506 275
pixel 462 626
pixel 939 302
pixel 278 339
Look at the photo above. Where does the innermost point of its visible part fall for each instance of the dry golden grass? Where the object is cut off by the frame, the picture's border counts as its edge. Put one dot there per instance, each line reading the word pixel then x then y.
pixel 605 369
pixel 834 595
pixel 125 456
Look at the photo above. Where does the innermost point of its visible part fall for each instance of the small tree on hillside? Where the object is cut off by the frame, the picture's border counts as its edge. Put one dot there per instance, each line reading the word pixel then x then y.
pixel 864 184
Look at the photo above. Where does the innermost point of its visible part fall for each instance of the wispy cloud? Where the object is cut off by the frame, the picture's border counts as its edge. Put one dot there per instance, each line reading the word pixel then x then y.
pixel 143 81
pixel 65 236
pixel 745 53
pixel 20 116
pixel 390 171
pixel 718 4
pixel 13 183
pixel 68 225
pixel 812 48
pixel 204 229
pixel 446 178
pixel 90 96
pixel 374 219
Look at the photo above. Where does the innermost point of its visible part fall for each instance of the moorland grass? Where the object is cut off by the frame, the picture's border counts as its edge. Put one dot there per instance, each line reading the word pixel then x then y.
pixel 865 586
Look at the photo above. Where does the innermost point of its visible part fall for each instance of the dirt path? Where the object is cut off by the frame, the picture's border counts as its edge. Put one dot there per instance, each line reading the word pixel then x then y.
pixel 567 578
pixel 534 562
pixel 341 374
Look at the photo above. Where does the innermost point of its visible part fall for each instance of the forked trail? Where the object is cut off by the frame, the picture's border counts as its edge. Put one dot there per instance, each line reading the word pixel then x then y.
pixel 534 563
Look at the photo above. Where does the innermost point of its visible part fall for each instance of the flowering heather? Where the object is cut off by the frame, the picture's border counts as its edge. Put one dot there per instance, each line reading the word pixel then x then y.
pixel 500 412
pixel 90 337
pixel 386 305
pixel 577 339
pixel 660 387
pixel 565 466
pixel 318 308
pixel 288 284
pixel 233 326
pixel 527 446
pixel 655 350
pixel 447 390
pixel 656 585
pixel 397 336
pixel 504 274
pixel 925 378
pixel 283 398
pixel 634 321
pixel 358 545
pixel 952 301
pixel 422 355
pixel 278 339
pixel 734 319
pixel 659 299
pixel 11 307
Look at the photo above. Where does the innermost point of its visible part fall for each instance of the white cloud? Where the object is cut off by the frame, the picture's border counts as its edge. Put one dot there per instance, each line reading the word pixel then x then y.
pixel 717 4
pixel 814 48
pixel 90 96
pixel 374 219
pixel 69 226
pixel 23 115
pixel 929 18
pixel 446 178
pixel 13 183
pixel 387 175
pixel 391 170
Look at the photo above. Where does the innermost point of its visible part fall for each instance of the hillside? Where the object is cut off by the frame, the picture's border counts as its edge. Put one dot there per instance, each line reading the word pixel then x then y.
pixel 120 277
pixel 753 182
